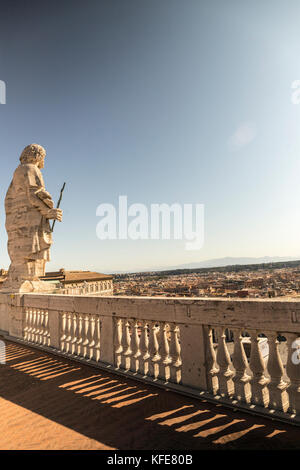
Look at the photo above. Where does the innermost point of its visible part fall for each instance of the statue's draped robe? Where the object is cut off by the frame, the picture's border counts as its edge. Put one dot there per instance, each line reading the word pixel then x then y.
pixel 26 205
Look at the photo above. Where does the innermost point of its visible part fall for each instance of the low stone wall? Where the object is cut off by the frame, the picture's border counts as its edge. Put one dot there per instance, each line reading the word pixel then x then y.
pixel 194 346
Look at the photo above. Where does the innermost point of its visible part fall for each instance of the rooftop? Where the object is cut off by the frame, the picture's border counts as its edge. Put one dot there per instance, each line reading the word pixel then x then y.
pixel 49 402
pixel 67 277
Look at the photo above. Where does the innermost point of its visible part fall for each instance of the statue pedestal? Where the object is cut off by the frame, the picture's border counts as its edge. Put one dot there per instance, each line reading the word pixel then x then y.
pixel 27 286
pixel 11 314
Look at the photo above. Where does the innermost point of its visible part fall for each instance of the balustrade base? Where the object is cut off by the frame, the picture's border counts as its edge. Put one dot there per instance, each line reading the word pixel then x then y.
pixel 279 398
pixel 242 391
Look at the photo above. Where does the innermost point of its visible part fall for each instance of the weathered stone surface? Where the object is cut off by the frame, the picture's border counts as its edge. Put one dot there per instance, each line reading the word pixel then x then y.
pixel 28 208
pixel 171 342
pixel 284 313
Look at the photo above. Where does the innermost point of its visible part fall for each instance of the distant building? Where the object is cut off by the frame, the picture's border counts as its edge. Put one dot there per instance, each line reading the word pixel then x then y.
pixel 258 282
pixel 242 293
pixel 81 282
pixel 76 282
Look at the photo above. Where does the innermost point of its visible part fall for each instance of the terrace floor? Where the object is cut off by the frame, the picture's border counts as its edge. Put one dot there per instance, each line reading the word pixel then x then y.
pixel 52 403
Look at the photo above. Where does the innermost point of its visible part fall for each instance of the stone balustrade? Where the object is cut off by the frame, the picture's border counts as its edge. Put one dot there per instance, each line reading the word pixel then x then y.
pixel 87 288
pixel 36 326
pixel 207 348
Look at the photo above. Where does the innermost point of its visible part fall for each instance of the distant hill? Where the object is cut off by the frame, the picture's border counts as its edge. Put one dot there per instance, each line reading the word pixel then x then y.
pixel 226 265
pixel 217 262
pixel 230 261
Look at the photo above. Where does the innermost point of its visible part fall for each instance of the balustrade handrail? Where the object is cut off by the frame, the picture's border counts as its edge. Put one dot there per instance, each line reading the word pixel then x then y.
pixel 278 315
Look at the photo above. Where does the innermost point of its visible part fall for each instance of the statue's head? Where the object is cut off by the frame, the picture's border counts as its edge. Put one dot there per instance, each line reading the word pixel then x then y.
pixel 33 153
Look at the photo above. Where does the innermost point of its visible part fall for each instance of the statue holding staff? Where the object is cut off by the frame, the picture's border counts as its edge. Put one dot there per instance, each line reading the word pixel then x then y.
pixel 28 208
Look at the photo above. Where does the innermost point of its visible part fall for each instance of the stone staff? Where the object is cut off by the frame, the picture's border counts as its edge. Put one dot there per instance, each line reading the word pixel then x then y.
pixel 58 204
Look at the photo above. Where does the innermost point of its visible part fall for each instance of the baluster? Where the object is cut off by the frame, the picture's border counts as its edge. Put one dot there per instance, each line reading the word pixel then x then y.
pixel 63 332
pixel 241 380
pixel 29 331
pixel 175 352
pixel 97 345
pixel 85 344
pixel 30 325
pixel 160 350
pixel 293 371
pixel 167 359
pixel 144 346
pixel 226 386
pixel 45 327
pixel 46 331
pixel 135 346
pixel 119 347
pixel 35 329
pixel 211 364
pixel 33 326
pixel 47 334
pixel 33 332
pixel 259 381
pixel 164 350
pixel 79 347
pixel 90 349
pixel 42 327
pixel 39 329
pixel 26 328
pixel 279 399
pixel 69 332
pixel 74 333
pixel 153 349
pixel 92 336
pixel 126 343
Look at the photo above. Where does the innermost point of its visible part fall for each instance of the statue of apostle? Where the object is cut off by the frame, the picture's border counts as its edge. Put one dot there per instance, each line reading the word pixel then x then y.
pixel 28 208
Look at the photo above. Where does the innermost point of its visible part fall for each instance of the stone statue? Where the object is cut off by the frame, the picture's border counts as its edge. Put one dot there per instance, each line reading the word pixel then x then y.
pixel 28 208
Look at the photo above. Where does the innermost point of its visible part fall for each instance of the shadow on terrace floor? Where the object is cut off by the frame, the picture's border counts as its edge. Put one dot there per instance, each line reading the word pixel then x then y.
pixel 52 403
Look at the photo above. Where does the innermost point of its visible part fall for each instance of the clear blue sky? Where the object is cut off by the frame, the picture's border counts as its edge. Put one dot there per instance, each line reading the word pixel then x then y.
pixel 183 101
